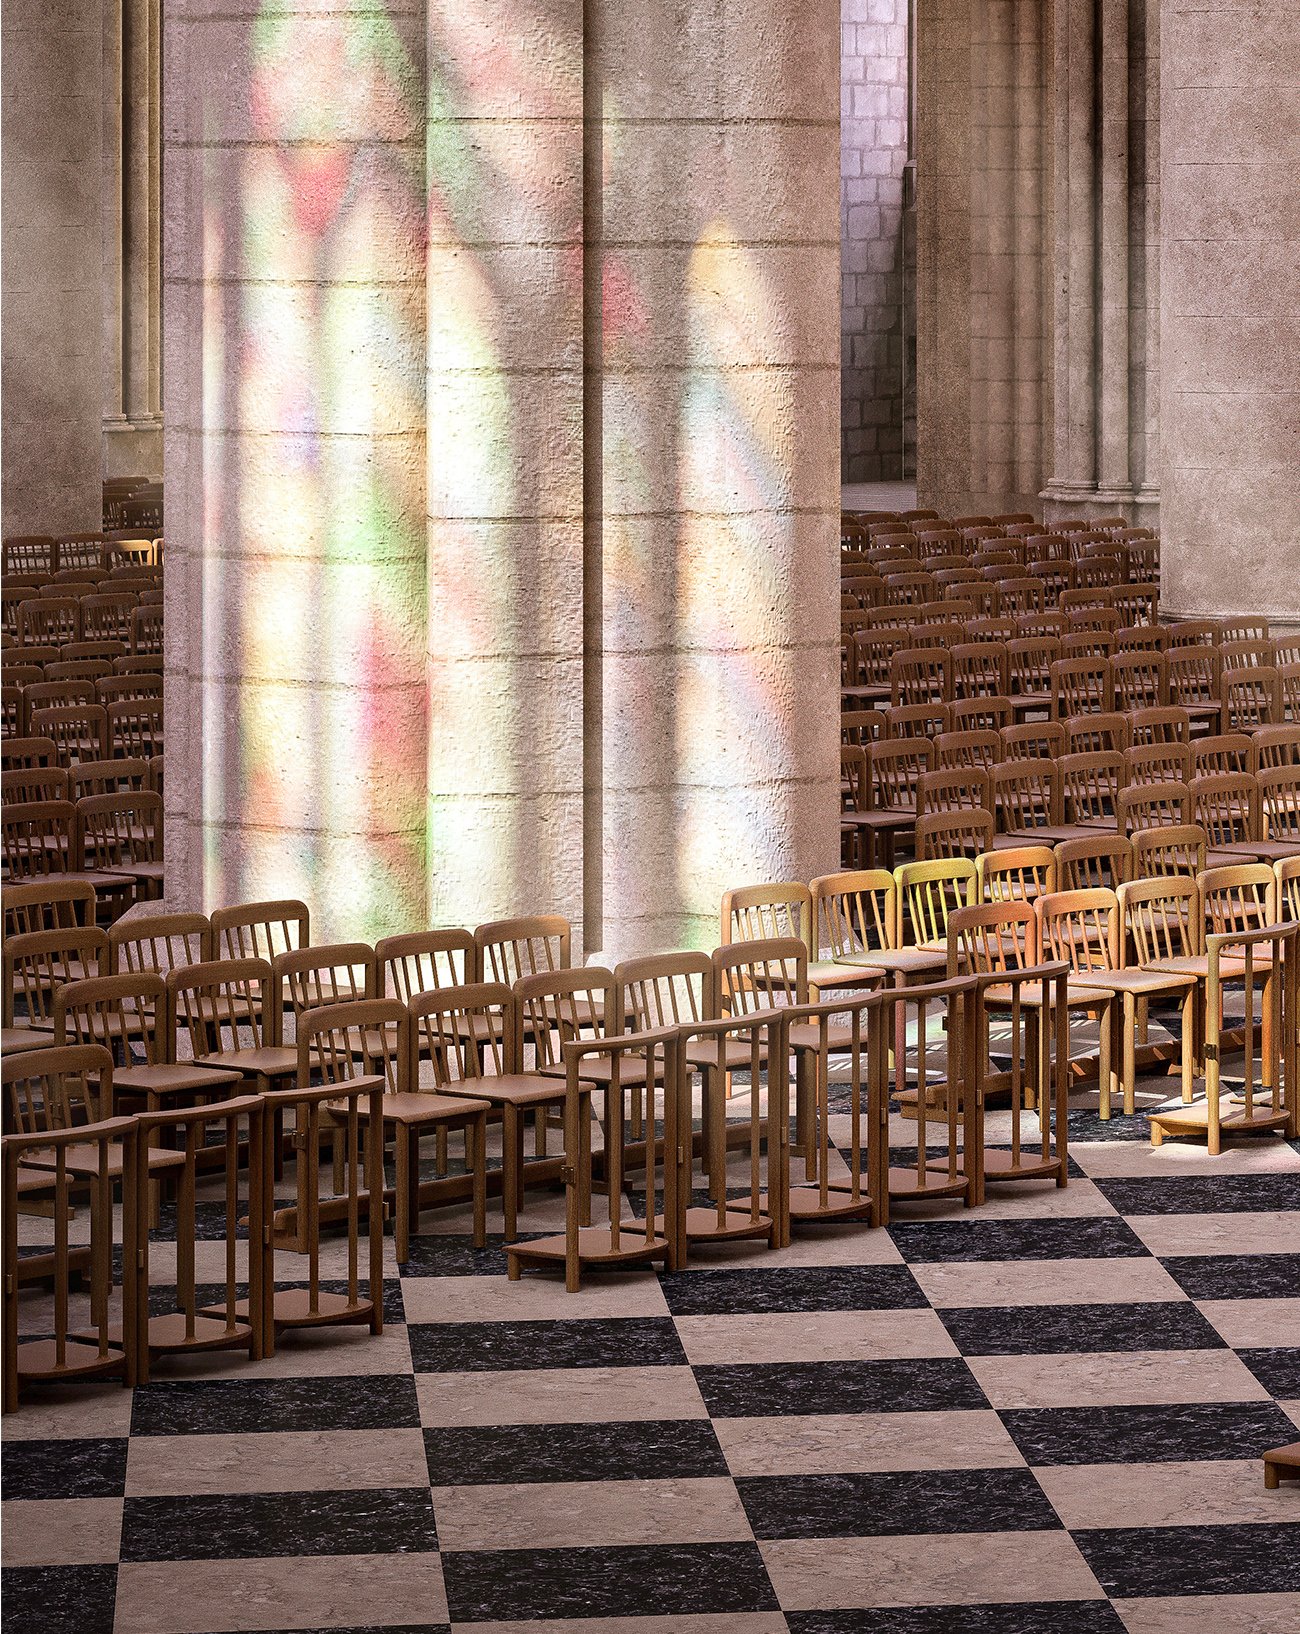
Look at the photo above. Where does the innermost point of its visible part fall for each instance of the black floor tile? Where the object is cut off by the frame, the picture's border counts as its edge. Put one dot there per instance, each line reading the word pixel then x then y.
pixel 678 1579
pixel 476 1347
pixel 966 1239
pixel 256 1525
pixel 1278 1370
pixel 1034 1330
pixel 1160 1560
pixel 1236 1276
pixel 58 1599
pixel 1031 1617
pixel 1202 1193
pixel 804 1288
pixel 229 1406
pixel 758 1391
pixel 897 1503
pixel 645 1450
pixel 1147 1435
pixel 436 1254
pixel 71 1468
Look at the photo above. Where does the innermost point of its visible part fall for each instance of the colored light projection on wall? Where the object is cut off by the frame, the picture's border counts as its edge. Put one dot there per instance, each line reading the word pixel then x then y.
pixel 315 582
pixel 737 679
pixel 504 393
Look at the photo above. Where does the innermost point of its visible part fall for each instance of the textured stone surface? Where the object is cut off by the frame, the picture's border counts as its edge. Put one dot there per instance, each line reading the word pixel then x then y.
pixel 50 317
pixel 1231 308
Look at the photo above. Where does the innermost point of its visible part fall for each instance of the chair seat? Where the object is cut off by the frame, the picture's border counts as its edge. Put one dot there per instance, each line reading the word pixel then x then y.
pixel 806 1035
pixel 270 1061
pixel 1078 995
pixel 737 1054
pixel 150 872
pixel 14 1040
pixel 911 961
pixel 1198 964
pixel 1147 980
pixel 599 1069
pixel 430 1107
pixel 174 1079
pixel 833 973
pixel 519 1089
pixel 84 1160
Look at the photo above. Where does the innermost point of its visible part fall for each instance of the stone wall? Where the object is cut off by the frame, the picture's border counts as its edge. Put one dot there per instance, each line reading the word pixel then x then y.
pixel 50 319
pixel 873 159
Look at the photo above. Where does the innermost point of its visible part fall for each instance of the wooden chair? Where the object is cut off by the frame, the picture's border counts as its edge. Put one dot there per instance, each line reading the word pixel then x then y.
pixel 135 727
pixel 35 783
pixel 1020 874
pixel 18 754
pixel 424 961
pixel 1230 753
pixel 1033 740
pixel 214 1004
pixel 755 913
pixel 48 903
pixel 1152 806
pixel 1279 807
pixel 78 731
pixel 955 750
pixel 1092 862
pixel 511 948
pixel 38 838
pixel 49 621
pixel 121 835
pixel 1097 734
pixel 36 965
pixel 1140 680
pixel 125 776
pixel 260 930
pixel 1275 746
pixel 1157 763
pixel 1195 673
pixel 1178 848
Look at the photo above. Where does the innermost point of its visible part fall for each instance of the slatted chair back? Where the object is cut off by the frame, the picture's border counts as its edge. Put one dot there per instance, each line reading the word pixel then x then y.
pixel 984 714
pixel 964 831
pixel 992 936
pixel 1080 928
pixel 980 669
pixel 38 838
pixel 354 1038
pixel 106 1010
pixel 756 976
pixel 138 663
pixel 1089 862
pixel 13 709
pixel 17 754
pixel 1157 763
pixel 1090 786
pixel 1029 669
pixel 929 893
pixel 1276 746
pixel 81 550
pixel 158 944
pixel 135 727
pixel 1161 918
pixel 1279 804
pixel 1140 680
pixel 221 1005
pixel 1103 733
pixel 1152 805
pixel 121 832
pixel 136 688
pixel 1193 632
pixel 1224 753
pixel 1176 848
pixel 38 963
pixel 897 765
pixel 51 694
pixel 1252 697
pixel 123 776
pixel 53 1088
pixel 920 675
pixel 1287 873
pixel 1246 654
pixel 47 904
pixel 36 783
pixel 958 749
pixel 310 978
pixel 466 1032
pixel 917 720
pixel 147 630
pixel 1026 794
pixel 511 948
pixel 1194 677
pixel 260 930
pixel 1238 899
pixel 558 1005
pixel 1226 805
pixel 1018 874
pixel 49 621
pixel 93 670
pixel 760 913
pixel 79 731
pixel 854 914
pixel 422 961
pixel 29 553
pixel 960 788
pixel 1171 724
pixel 1033 740
pixel 1091 644
pixel 664 990
pixel 108 617
pixel 1142 638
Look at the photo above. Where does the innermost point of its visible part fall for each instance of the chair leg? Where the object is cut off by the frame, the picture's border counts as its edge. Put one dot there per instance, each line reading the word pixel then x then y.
pixel 1189 1044
pixel 1128 1043
pixel 512 1160
pixel 476 1157
pixel 402 1216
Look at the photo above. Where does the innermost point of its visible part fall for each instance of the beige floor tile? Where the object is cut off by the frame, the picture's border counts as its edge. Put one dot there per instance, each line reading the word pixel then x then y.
pixel 735 1622
pixel 1205 1493
pixel 61 1532
pixel 278 1461
pixel 572 1395
pixel 325 1591
pixel 1045 1282
pixel 969 1568
pixel 531 1299
pixel 1274 1231
pixel 1292 1411
pixel 1115 1159
pixel 1035 1199
pixel 1254 1324
pixel 56 1412
pixel 811 1245
pixel 843 1443
pixel 1202 1613
pixel 1118 1378
pixel 307 1354
pixel 813 1336
pixel 589 1514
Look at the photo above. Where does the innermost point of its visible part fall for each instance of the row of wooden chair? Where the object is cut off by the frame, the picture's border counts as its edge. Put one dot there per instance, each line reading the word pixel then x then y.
pixel 44 621
pixel 47 555
pixel 112 842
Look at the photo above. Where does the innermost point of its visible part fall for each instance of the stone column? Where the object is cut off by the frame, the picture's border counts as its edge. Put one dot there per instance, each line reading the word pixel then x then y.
pixel 50 323
pixel 505 458
pixel 719 256
pixel 1230 309
pixel 295 449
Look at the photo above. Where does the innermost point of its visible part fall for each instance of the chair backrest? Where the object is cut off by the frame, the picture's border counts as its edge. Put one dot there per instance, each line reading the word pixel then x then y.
pixel 897 765
pixel 576 1002
pixel 38 838
pixel 1157 763
pixel 1019 874
pixel 992 936
pixel 1237 898
pixel 975 748
pixel 1287 900
pixel 1026 794
pixel 664 990
pixel 1140 680
pixel 1276 746
pixel 211 1002
pixel 753 976
pixel 260 930
pixel 1252 697
pixel 1226 805
pixel 33 783
pixel 18 753
pixel 46 904
pixel 960 788
pixel 1106 732
pixel 56 1088
pixel 1170 724
pixel 1223 752
pixel 1176 848
pixel 105 1010
pixel 1093 861
pixel 135 727
pixel 360 1039
pixel 1161 918
pixel 464 1032
pixel 38 963
pixel 79 731
pixel 1034 740
pixel 336 973
pixel 108 776
pixel 760 913
pixel 511 948
pixel 1081 928
pixel 988 713
pixel 1090 785
pixel 160 943
pixel 1152 805
pixel 422 960
pixel 917 720
pixel 920 675
pixel 1080 686
pixel 854 913
pixel 1279 803
pixel 929 892
pixel 963 831
pixel 117 829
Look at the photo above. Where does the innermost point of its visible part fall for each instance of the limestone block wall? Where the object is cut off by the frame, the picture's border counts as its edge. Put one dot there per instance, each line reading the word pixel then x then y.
pixel 873 159
pixel 50 315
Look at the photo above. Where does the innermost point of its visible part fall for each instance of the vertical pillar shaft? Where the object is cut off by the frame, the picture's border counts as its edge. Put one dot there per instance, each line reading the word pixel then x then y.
pixel 1113 257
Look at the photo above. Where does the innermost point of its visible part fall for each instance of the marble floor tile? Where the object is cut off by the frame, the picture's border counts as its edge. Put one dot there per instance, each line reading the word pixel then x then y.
pixel 64 1468
pixel 1148 1434
pixel 1249 1324
pixel 1046 1282
pixel 1016 1239
pixel 716 1292
pixel 732 1622
pixel 896 1503
pixel 590 1514
pixel 235 1406
pixel 1204 1194
pixel 1105 1158
pixel 70 1412
pixel 685 1449
pixel 60 1532
pixel 471 1347
pixel 1205 1492
pixel 276 1461
pixel 844 1442
pixel 820 1573
pixel 1024 1617
pixel 558 1396
pixel 1125 1378
pixel 1276 1367
pixel 1292 1411
pixel 812 1336
pixel 62 1597
pixel 1176 1235
pixel 839 1387
pixel 1195 1613
pixel 1236 1276
pixel 1078 1330
pixel 308 1353
pixel 811 1245
pixel 345 1591
pixel 1256 1559
pixel 256 1525
pixel 494 1299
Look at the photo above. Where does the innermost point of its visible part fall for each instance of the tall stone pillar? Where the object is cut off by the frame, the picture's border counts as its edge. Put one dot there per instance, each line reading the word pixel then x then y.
pixel 295 449
pixel 1230 309
pixel 718 283
pixel 50 322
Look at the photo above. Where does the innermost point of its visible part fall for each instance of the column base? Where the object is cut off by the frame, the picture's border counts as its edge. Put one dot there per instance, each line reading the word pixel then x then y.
pixel 133 447
pixel 1071 501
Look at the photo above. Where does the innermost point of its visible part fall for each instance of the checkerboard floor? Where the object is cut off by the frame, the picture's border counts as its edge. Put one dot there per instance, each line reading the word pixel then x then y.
pixel 1043 1415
